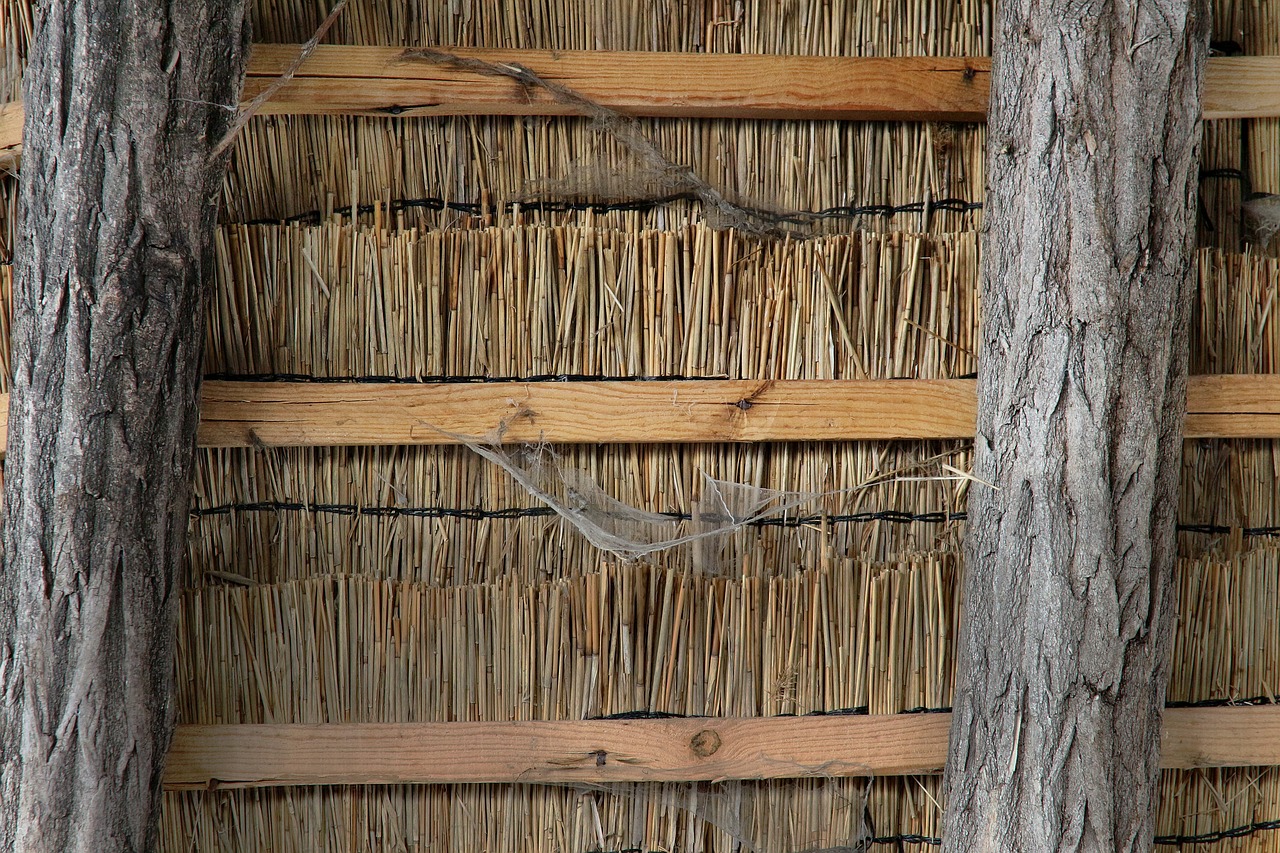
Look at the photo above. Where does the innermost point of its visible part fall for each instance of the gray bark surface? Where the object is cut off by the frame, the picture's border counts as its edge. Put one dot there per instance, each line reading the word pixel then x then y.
pixel 1093 156
pixel 124 101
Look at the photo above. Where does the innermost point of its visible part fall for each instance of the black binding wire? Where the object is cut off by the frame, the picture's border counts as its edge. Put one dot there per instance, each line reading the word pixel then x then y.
pixel 513 513
pixel 431 203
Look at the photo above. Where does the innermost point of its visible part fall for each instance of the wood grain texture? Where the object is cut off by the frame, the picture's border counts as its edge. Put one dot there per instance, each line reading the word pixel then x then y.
pixel 381 81
pixel 1242 87
pixel 1233 406
pixel 577 751
pixel 11 118
pixel 242 414
pixel 374 81
pixel 247 414
pixel 1220 737
pixel 678 750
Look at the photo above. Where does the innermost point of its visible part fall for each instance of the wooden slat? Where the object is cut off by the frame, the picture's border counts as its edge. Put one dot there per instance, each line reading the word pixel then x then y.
pixel 378 81
pixel 11 118
pixel 1242 87
pixel 586 751
pixel 301 414
pixel 685 750
pixel 1233 406
pixel 1220 737
pixel 243 414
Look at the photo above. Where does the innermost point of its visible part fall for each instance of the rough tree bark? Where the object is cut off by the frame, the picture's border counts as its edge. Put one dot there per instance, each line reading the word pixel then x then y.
pixel 1093 154
pixel 124 102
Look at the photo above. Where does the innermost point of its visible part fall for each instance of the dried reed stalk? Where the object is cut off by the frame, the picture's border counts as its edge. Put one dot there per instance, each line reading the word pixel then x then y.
pixel 623 639
pixel 270 545
pixel 1235 326
pixel 800 815
pixel 815 27
pixel 288 166
pixel 518 301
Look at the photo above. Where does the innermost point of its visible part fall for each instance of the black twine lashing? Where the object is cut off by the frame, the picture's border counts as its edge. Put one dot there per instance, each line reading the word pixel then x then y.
pixel 891 516
pixel 513 513
pixel 472 208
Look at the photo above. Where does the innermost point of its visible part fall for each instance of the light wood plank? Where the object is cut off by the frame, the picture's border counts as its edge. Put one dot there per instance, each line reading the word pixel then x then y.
pixel 578 751
pixel 1233 406
pixel 301 414
pixel 246 413
pixel 11 118
pixel 378 81
pixel 1221 737
pixel 684 750
pixel 1242 87
pixel 700 411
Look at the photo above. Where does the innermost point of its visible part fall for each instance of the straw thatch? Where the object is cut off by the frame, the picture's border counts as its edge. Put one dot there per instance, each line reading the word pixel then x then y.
pixel 820 27
pixel 309 167
pixel 444 516
pixel 725 818
pixel 422 583
pixel 518 301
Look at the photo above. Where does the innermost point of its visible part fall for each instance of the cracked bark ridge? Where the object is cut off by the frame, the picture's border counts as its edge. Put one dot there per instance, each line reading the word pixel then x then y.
pixel 118 202
pixel 1092 158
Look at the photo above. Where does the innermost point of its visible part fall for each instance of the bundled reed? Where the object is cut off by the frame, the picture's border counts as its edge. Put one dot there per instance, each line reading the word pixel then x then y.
pixel 1248 26
pixel 1230 490
pixel 627 638
pixel 535 300
pixel 800 815
pixel 791 815
pixel 331 300
pixel 1264 135
pixel 1200 808
pixel 15 35
pixel 444 516
pixel 1222 185
pixel 291 166
pixel 1234 327
pixel 811 27
pixel 1227 645
pixel 842 635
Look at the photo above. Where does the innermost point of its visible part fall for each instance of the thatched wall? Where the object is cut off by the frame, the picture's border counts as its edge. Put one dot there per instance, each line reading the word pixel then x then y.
pixel 422 583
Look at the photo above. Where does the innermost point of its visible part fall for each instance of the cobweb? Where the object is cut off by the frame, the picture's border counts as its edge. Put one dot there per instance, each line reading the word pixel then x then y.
pixel 624 530
pixel 632 533
pixel 1262 213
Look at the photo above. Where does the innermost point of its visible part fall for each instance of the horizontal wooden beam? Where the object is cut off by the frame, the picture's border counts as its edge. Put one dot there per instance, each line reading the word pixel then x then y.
pixel 382 81
pixel 677 750
pixel 245 413
pixel 1241 87
pixel 1233 406
pixel 306 414
pixel 10 133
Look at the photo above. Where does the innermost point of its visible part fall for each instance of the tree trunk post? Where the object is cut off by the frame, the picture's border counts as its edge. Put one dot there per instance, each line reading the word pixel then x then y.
pixel 1092 159
pixel 124 102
